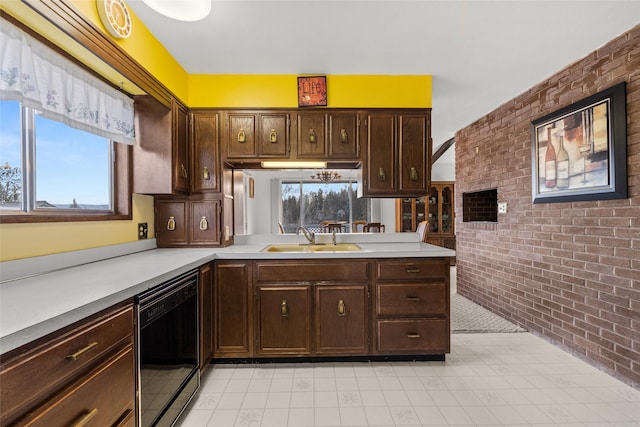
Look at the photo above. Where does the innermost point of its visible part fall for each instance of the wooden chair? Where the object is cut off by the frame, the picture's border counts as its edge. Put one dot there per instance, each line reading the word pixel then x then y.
pixel 373 227
pixel 334 226
pixel 358 223
pixel 422 230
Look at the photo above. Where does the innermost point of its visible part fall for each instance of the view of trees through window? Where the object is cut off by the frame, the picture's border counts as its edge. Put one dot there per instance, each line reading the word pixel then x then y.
pixel 308 204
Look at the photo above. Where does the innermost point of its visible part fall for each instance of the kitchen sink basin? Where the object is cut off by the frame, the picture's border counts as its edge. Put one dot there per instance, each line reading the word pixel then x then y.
pixel 292 247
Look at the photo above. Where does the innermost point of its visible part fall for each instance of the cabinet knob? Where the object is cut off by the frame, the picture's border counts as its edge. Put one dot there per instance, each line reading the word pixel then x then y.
pixel 205 174
pixel 381 175
pixel 284 308
pixel 312 136
pixel 413 174
pixel 341 308
pixel 344 138
pixel 171 224
pixel 183 171
pixel 241 136
pixel 204 225
pixel 273 136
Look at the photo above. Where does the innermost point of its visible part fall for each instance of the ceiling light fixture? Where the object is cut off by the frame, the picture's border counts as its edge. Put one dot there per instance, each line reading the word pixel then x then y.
pixel 326 176
pixel 182 10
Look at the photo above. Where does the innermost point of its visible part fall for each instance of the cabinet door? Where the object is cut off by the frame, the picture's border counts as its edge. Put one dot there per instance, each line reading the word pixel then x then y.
pixel 205 290
pixel 180 148
pixel 205 156
pixel 274 135
pixel 341 319
pixel 446 209
pixel 241 132
pixel 413 137
pixel 171 226
pixel 233 312
pixel 205 224
pixel 312 142
pixel 284 319
pixel 380 173
pixel 344 136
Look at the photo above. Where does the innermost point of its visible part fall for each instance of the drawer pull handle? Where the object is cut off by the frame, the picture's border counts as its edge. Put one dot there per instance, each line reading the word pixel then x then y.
pixel 85 418
pixel 171 224
pixel 341 308
pixel 413 270
pixel 77 354
pixel 284 308
pixel 413 335
pixel 205 174
pixel 413 299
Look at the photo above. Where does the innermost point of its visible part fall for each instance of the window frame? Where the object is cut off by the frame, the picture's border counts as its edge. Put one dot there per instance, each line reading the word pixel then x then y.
pixel 302 182
pixel 120 184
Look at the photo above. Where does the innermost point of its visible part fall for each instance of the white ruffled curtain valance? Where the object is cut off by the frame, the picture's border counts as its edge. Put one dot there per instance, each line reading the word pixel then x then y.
pixel 37 76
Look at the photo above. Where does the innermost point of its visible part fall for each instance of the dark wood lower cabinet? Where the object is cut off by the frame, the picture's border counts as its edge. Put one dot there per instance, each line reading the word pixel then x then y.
pixel 233 309
pixel 84 372
pixel 331 308
pixel 284 314
pixel 341 319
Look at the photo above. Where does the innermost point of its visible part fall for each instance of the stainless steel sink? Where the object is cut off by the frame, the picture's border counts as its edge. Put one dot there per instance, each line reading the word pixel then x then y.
pixel 293 247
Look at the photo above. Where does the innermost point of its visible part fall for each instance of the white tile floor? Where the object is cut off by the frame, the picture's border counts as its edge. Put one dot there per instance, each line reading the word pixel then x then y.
pixel 510 379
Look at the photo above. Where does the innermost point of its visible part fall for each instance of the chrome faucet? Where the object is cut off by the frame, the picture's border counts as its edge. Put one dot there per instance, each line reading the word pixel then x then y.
pixel 308 234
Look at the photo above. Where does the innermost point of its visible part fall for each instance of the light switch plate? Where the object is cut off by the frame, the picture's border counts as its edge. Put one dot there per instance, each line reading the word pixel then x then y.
pixel 502 207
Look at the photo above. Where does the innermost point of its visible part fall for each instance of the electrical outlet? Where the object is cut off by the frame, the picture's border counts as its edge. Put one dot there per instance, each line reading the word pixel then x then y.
pixel 142 230
pixel 502 207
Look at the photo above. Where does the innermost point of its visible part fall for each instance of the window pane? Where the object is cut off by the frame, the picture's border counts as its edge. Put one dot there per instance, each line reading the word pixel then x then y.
pixel 309 204
pixel 73 167
pixel 10 156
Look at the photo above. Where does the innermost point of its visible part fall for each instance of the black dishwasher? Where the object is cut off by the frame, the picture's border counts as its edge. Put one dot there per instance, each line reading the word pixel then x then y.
pixel 167 350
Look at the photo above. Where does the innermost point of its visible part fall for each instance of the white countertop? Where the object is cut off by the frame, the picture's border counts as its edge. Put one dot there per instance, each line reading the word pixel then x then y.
pixel 34 306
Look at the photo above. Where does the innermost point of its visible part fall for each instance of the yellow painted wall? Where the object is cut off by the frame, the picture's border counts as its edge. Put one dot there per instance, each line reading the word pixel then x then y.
pixel 34 239
pixel 278 91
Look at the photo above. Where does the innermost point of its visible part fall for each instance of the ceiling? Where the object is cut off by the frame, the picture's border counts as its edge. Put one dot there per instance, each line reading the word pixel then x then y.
pixel 480 53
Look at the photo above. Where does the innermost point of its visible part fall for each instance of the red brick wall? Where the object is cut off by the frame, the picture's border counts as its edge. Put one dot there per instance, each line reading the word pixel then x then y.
pixel 569 272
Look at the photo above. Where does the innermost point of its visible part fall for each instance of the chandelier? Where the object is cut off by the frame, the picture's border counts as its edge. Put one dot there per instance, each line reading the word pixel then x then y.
pixel 326 176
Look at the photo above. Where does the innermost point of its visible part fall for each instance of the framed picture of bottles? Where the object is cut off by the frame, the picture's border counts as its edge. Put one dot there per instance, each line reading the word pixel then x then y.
pixel 580 151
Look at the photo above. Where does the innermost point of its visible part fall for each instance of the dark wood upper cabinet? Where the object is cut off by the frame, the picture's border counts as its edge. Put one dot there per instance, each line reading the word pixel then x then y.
pixel 205 152
pixel 344 135
pixel 274 135
pixel 240 135
pixel 160 157
pixel 380 165
pixel 311 136
pixel 398 152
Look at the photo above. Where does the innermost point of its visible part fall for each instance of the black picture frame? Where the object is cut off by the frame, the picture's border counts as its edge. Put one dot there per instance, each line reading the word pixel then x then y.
pixel 587 158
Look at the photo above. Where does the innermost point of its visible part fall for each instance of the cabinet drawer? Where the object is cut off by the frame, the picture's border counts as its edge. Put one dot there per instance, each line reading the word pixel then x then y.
pixel 412 270
pixel 34 375
pixel 427 336
pixel 104 397
pixel 398 299
pixel 305 271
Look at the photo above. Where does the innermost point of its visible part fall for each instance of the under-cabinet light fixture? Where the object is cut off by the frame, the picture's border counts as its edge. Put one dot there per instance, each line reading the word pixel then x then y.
pixel 293 165
pixel 189 10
